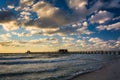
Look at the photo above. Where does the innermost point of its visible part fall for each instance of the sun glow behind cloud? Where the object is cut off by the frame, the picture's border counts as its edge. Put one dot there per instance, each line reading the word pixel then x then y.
pixel 47 25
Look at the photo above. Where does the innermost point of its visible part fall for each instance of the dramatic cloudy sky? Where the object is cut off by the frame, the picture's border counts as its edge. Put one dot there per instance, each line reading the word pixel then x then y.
pixel 47 25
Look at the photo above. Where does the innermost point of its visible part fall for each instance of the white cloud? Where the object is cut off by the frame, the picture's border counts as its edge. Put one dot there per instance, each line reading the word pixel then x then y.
pixel 67 39
pixel 22 34
pixel 80 7
pixel 80 41
pixel 26 2
pixel 96 44
pixel 13 43
pixel 95 40
pixel 116 18
pixel 44 9
pixel 83 30
pixel 11 6
pixel 85 24
pixel 74 29
pixel 68 45
pixel 101 17
pixel 52 31
pixel 37 41
pixel 25 15
pixel 78 24
pixel 5 36
pixel 77 4
pixel 98 4
pixel 11 25
pixel 44 40
pixel 115 26
pixel 100 44
pixel 117 44
pixel 49 16
pixel 101 27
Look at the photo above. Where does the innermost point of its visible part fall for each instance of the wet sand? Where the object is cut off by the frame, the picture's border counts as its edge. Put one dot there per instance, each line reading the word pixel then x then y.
pixel 110 71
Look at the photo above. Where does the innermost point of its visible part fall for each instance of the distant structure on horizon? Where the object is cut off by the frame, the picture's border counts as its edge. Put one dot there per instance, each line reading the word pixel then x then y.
pixel 63 50
pixel 28 52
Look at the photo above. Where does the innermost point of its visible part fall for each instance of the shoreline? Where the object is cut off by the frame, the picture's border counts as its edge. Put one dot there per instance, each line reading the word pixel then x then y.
pixel 110 71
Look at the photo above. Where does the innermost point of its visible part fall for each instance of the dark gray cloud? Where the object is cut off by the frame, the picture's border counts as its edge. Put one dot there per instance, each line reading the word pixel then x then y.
pixel 6 16
pixel 50 16
pixel 8 20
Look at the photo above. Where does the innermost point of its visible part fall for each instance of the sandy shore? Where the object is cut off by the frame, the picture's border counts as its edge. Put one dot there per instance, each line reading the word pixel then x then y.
pixel 109 72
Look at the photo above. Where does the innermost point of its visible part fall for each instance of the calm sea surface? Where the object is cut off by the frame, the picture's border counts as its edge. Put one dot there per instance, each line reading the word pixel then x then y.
pixel 50 66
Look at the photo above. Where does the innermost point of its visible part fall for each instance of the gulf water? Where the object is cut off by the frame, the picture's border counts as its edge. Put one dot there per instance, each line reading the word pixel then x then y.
pixel 50 66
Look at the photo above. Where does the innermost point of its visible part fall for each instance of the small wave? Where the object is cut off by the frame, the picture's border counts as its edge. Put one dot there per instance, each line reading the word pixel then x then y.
pixel 34 61
pixel 29 72
pixel 15 58
pixel 83 72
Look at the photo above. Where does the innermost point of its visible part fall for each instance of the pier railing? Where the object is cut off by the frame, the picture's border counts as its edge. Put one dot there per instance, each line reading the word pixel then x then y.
pixel 80 52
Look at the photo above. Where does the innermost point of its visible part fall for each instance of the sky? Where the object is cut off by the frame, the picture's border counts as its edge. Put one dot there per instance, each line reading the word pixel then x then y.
pixel 49 25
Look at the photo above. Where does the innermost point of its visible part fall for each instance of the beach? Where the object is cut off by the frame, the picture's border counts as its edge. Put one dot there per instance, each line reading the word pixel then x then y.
pixel 110 71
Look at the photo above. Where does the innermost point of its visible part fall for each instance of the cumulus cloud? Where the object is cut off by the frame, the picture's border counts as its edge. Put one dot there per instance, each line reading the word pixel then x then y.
pixel 24 11
pixel 67 39
pixel 11 25
pixel 26 2
pixel 95 40
pixel 79 6
pixel 13 43
pixel 68 45
pixel 49 16
pixel 24 15
pixel 5 43
pixel 83 30
pixel 75 28
pixel 44 40
pixel 115 26
pixel 5 36
pixel 100 44
pixel 46 18
pixel 11 6
pixel 84 8
pixel 98 4
pixel 85 24
pixel 93 44
pixel 16 43
pixel 101 17
pixel 37 41
pixel 44 32
pixel 22 34
pixel 117 44
pixel 44 9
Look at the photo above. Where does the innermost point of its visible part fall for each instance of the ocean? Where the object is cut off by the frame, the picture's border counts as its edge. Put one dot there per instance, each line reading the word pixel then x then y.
pixel 50 66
